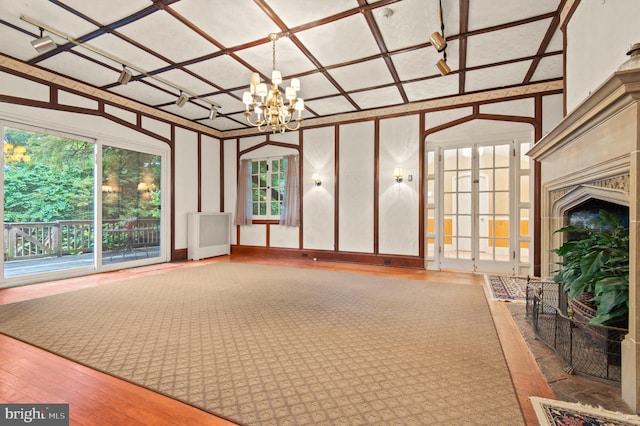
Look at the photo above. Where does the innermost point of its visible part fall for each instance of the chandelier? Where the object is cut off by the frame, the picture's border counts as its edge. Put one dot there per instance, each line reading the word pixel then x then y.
pixel 270 108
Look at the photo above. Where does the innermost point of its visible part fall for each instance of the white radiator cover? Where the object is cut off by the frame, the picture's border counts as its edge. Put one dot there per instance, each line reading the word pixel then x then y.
pixel 208 234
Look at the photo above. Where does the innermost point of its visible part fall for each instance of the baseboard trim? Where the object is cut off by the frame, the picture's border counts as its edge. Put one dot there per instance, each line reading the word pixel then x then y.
pixel 331 256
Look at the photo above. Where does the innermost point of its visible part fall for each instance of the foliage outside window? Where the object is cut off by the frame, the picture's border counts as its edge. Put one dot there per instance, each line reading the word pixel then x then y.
pixel 268 187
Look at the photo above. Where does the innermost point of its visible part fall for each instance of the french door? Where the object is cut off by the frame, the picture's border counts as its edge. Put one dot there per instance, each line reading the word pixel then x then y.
pixel 481 209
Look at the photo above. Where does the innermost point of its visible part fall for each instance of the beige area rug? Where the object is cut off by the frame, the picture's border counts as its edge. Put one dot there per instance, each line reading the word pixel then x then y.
pixel 268 345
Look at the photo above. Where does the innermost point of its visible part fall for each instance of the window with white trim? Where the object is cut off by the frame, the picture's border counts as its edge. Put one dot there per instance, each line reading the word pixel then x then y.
pixel 268 187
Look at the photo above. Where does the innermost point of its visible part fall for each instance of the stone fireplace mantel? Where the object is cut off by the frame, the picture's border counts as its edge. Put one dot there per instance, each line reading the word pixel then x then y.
pixel 593 153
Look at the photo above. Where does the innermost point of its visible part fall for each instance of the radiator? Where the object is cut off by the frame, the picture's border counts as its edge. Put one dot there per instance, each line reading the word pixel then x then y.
pixel 209 234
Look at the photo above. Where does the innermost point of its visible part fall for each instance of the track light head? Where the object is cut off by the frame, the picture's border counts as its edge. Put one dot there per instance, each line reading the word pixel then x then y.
pixel 213 113
pixel 443 67
pixel 182 99
pixel 43 44
pixel 438 41
pixel 125 76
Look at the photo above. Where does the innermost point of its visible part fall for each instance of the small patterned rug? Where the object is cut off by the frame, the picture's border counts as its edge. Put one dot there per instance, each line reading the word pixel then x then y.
pixel 506 287
pixel 560 413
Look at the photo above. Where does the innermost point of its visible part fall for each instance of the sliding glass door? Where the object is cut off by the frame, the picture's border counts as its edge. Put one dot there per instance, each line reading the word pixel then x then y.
pixel 131 205
pixel 48 207
pixel 74 206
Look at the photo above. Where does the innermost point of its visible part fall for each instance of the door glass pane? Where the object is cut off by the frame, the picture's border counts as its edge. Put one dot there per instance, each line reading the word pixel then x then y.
pixel 501 177
pixel 48 202
pixel 131 201
pixel 524 189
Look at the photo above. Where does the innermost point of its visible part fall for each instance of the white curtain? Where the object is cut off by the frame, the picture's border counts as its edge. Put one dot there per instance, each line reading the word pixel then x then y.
pixel 244 208
pixel 290 213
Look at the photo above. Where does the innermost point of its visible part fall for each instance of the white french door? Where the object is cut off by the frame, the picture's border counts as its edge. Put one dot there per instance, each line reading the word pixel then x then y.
pixel 479 218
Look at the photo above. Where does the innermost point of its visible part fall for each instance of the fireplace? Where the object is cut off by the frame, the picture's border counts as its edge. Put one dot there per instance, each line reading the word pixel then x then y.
pixel 591 159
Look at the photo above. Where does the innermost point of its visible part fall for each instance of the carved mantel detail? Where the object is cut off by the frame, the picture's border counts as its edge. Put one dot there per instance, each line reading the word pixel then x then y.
pixel 617 183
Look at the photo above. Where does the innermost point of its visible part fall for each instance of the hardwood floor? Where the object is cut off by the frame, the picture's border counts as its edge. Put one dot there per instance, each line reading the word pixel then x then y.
pixel 31 375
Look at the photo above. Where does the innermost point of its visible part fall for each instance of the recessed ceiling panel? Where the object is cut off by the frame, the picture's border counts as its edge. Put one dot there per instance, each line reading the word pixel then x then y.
pixel 46 14
pixel 488 13
pixel 289 59
pixel 341 41
pixel 144 93
pixel 189 110
pixel 416 63
pixel 74 66
pixel 168 37
pixel 514 42
pixel 316 85
pixel 548 68
pixel 223 71
pixel 494 77
pixel 121 49
pixel 305 11
pixel 108 12
pixel 363 74
pixel 386 96
pixel 231 23
pixel 329 106
pixel 432 88
pixel 186 80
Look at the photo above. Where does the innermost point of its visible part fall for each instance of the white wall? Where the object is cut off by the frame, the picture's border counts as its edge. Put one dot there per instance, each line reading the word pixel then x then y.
pixel 398 222
pixel 356 187
pixel 186 182
pixel 599 34
pixel 210 162
pixel 319 201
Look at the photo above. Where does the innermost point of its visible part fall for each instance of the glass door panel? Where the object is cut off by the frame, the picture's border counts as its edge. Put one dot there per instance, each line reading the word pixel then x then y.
pixel 48 208
pixel 131 205
pixel 457 207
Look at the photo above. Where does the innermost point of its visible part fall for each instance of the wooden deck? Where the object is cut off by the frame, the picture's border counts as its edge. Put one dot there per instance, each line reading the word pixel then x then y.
pixel 16 268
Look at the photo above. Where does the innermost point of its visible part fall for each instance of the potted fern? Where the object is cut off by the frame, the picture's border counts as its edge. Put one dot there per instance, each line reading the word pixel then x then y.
pixel 595 269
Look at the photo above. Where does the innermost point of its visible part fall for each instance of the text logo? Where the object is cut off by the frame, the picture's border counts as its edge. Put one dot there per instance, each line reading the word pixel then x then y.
pixel 34 414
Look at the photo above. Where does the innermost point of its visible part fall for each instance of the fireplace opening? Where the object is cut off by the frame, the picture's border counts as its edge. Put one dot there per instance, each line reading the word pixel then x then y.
pixel 586 215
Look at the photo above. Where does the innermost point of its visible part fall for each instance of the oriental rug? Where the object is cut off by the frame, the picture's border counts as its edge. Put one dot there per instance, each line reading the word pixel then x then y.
pixel 507 287
pixel 560 413
pixel 268 345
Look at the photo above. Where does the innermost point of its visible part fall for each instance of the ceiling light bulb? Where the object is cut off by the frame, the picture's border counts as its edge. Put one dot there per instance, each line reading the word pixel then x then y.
pixel 276 77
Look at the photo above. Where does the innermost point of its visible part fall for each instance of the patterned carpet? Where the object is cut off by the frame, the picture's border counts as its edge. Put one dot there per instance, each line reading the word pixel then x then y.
pixel 560 413
pixel 506 287
pixel 281 346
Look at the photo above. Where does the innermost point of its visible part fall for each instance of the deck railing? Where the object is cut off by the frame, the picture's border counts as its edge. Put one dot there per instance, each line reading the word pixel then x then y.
pixel 31 240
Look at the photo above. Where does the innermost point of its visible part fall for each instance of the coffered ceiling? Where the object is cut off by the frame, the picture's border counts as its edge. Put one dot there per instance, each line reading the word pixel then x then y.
pixel 350 55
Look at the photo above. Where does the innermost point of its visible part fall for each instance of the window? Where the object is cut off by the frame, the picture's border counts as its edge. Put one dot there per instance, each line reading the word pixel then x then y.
pixel 268 187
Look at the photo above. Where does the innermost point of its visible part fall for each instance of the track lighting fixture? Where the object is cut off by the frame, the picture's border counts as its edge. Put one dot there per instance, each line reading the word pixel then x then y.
pixel 443 67
pixel 438 41
pixel 43 44
pixel 125 76
pixel 213 113
pixel 182 99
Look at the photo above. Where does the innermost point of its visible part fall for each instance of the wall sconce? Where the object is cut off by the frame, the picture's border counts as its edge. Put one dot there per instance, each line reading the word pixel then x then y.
pixel 316 179
pixel 397 174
